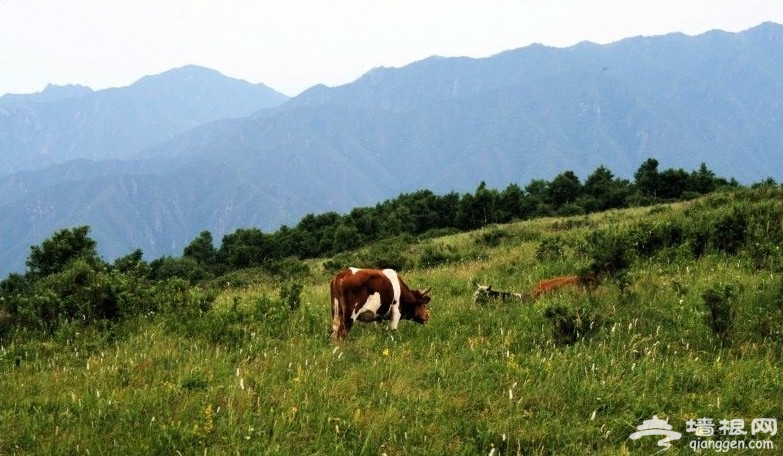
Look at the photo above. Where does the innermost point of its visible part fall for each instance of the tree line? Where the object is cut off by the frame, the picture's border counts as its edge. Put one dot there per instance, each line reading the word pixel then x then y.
pixel 411 214
pixel 67 281
pixel 423 212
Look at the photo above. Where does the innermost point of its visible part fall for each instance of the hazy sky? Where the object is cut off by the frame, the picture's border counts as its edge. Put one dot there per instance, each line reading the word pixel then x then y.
pixel 291 45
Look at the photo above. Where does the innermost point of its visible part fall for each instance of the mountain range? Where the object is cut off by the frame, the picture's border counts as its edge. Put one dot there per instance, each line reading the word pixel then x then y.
pixel 153 164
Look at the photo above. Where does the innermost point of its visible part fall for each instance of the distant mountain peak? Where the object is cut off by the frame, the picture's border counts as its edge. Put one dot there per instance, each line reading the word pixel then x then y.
pixel 183 73
pixel 195 75
pixel 50 93
pixel 767 27
pixel 769 32
pixel 65 91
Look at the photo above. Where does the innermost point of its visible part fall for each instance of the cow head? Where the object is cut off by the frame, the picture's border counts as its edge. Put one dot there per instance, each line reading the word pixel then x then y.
pixel 420 313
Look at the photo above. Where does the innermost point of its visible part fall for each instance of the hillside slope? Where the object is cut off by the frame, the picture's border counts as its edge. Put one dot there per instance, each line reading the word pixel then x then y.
pixel 679 332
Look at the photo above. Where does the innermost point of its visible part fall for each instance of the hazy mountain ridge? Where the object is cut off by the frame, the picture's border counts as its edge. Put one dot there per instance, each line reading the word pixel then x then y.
pixel 119 123
pixel 443 124
pixel 49 94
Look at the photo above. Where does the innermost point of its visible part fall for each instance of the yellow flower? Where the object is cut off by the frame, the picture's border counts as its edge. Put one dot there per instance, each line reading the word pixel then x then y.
pixel 385 352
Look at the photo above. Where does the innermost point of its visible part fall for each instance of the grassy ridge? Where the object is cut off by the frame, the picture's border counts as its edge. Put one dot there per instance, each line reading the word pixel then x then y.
pixel 250 376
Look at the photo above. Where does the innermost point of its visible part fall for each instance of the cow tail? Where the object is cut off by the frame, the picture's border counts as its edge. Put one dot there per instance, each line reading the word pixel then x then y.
pixel 336 305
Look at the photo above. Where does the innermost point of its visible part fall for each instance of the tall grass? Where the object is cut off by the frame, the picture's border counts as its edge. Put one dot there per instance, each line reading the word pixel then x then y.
pixel 254 376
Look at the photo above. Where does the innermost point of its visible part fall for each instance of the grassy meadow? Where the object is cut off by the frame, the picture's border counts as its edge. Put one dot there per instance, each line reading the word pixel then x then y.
pixel 678 330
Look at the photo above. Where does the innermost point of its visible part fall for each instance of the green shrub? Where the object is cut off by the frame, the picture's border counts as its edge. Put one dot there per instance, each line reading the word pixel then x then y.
pixel 571 325
pixel 768 314
pixel 438 232
pixel 766 255
pixel 78 292
pixel 572 223
pixel 273 316
pixel 336 264
pixel 730 231
pixel 194 381
pixel 720 310
pixel 649 238
pixel 184 267
pixel 62 248
pixel 432 255
pixel 388 253
pixel 550 249
pixel 290 294
pixel 491 236
pixel 227 328
pixel 608 252
pixel 287 268
pixel 570 209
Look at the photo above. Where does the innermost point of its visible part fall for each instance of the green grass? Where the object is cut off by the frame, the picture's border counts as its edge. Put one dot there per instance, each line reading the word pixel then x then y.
pixel 477 380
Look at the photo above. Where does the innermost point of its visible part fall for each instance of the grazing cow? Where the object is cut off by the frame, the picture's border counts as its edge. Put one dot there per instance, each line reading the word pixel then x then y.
pixel 372 295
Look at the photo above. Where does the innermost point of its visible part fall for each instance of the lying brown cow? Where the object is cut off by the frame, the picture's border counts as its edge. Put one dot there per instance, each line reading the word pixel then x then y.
pixel 558 282
pixel 371 295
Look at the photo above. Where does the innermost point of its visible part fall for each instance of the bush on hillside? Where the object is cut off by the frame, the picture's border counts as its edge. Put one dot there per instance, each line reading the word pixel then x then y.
pixel 570 325
pixel 730 231
pixel 491 236
pixel 771 324
pixel 389 253
pixel 68 286
pixel 63 247
pixel 340 262
pixel 609 252
pixel 193 315
pixel 720 310
pixel 187 268
pixel 550 249
pixel 287 268
pixel 432 255
pixel 290 294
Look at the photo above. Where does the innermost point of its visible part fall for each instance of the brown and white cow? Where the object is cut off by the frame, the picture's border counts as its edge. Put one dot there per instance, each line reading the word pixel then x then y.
pixel 372 295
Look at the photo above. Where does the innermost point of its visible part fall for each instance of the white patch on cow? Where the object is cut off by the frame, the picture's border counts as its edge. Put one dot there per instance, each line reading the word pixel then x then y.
pixel 391 274
pixel 354 270
pixel 371 305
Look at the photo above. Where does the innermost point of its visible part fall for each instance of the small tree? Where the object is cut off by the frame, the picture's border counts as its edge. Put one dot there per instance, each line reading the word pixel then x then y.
pixel 65 246
pixel 202 249
pixel 703 180
pixel 565 188
pixel 647 178
pixel 132 263
pixel 346 237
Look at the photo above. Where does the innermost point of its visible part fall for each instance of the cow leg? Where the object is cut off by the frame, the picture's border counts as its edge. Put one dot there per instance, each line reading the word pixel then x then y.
pixel 347 323
pixel 341 328
pixel 395 316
